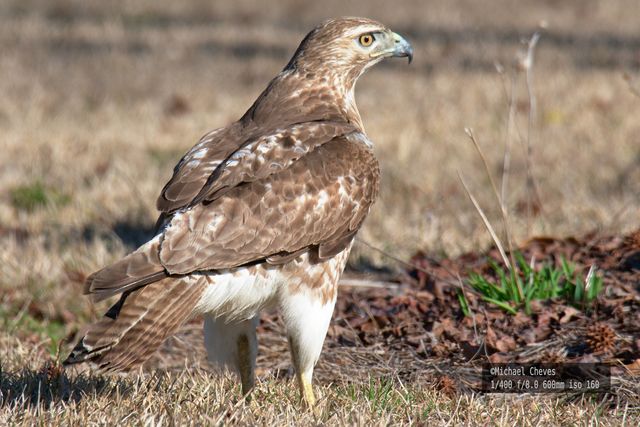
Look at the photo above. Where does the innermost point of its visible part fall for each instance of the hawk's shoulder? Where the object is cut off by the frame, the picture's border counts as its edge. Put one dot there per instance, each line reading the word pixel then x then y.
pixel 230 156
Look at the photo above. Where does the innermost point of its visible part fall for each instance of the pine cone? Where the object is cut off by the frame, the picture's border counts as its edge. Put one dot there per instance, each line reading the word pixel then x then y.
pixel 447 385
pixel 601 338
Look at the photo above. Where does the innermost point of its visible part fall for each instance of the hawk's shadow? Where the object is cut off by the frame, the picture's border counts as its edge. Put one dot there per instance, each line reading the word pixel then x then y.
pixel 133 234
pixel 29 388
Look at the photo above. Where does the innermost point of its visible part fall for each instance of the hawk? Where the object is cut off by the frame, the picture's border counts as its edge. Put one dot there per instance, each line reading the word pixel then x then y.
pixel 261 213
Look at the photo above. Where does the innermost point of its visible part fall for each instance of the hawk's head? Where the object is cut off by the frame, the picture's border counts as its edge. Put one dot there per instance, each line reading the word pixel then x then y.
pixel 318 82
pixel 348 46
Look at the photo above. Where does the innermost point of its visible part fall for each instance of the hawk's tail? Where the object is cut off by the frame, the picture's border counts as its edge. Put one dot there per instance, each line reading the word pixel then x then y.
pixel 132 330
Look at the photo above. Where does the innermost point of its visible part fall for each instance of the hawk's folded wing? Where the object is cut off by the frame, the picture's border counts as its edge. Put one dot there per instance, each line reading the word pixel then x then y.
pixel 318 202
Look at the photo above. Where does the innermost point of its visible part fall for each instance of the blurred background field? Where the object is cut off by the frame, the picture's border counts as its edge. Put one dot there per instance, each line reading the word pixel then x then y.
pixel 99 99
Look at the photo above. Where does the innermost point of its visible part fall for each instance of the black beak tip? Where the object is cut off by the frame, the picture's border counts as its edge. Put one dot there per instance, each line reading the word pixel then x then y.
pixel 407 50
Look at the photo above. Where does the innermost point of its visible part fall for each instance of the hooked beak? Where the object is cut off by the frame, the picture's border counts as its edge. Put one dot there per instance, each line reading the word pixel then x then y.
pixel 401 47
pixel 394 46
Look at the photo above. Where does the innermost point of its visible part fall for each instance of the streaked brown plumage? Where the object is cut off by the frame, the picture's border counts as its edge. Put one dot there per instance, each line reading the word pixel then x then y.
pixel 274 198
pixel 133 328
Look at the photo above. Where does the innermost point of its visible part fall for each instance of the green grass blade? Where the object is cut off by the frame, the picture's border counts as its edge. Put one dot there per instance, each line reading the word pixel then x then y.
pixel 464 304
pixel 502 305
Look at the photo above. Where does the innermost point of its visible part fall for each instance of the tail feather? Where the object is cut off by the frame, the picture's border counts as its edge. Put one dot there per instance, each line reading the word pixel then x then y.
pixel 133 329
pixel 137 269
pixel 140 343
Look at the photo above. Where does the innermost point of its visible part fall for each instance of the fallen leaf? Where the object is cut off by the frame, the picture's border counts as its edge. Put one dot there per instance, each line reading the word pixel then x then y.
pixel 490 337
pixel 569 313
pixel 634 367
pixel 499 358
pixel 506 344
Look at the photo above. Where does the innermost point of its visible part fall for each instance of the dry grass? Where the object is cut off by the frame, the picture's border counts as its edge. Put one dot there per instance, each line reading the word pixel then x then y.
pixel 100 99
pixel 31 393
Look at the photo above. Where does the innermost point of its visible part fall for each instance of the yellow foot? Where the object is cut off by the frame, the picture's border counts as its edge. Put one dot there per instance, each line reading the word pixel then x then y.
pixel 306 392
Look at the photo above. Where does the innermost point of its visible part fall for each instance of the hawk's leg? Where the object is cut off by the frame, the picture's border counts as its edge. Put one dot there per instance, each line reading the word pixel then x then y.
pixel 306 316
pixel 233 345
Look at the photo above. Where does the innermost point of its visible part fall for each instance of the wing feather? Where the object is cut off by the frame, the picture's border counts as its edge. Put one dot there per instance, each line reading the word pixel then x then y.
pixel 137 269
pixel 311 204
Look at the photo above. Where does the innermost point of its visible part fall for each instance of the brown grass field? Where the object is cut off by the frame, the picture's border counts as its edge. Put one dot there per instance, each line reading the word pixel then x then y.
pixel 99 99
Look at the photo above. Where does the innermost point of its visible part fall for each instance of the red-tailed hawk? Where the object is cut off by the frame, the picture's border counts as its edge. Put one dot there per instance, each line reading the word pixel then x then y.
pixel 261 213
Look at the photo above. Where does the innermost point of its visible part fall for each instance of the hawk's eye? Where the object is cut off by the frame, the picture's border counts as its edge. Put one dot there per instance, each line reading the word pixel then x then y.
pixel 366 40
